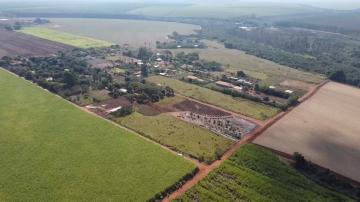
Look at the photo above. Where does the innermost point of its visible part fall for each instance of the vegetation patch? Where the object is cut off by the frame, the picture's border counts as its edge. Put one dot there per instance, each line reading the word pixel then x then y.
pixel 254 174
pixel 238 105
pixel 179 135
pixel 65 38
pixel 268 72
pixel 52 151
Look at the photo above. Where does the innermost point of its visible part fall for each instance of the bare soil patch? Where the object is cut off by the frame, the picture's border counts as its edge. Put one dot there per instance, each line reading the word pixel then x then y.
pixel 325 129
pixel 199 108
pixel 18 44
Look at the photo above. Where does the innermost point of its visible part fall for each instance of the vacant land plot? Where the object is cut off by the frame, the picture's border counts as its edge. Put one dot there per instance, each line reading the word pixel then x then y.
pixel 269 72
pixel 18 44
pixel 254 174
pixel 325 129
pixel 242 106
pixel 179 135
pixel 133 32
pixel 65 38
pixel 52 151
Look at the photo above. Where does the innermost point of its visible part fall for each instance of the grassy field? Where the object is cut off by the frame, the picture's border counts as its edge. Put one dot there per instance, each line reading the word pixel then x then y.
pixel 324 129
pixel 254 174
pixel 133 32
pixel 52 151
pixel 184 137
pixel 65 38
pixel 269 72
pixel 242 106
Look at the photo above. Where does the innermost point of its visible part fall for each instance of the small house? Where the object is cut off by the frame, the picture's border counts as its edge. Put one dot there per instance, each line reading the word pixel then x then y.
pixel 224 84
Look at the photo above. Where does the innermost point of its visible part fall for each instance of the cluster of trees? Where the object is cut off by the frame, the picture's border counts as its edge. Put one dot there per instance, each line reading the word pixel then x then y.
pixel 16 26
pixel 63 74
pixel 41 21
pixel 142 54
pixel 144 92
pixel 325 177
pixel 310 50
pixel 194 59
pixel 124 111
pixel 307 24
pixel 273 92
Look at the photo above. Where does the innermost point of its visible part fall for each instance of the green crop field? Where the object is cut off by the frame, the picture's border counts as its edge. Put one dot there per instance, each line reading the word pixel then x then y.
pixel 133 32
pixel 269 72
pixel 177 134
pixel 52 151
pixel 254 174
pixel 242 106
pixel 65 38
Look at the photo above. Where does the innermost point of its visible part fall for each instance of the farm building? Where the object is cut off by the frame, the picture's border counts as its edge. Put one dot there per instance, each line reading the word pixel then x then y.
pixel 194 78
pixel 224 84
pixel 238 88
pixel 243 81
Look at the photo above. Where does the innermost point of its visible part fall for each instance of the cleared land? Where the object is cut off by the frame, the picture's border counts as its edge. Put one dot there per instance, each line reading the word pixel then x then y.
pixel 53 151
pixel 269 72
pixel 133 32
pixel 65 38
pixel 254 174
pixel 241 106
pixel 179 135
pixel 325 129
pixel 18 44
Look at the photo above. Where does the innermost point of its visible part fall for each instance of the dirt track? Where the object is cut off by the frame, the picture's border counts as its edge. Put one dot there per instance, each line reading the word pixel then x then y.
pixel 204 170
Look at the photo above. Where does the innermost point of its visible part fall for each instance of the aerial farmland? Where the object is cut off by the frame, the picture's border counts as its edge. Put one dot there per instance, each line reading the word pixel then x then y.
pixel 18 44
pixel 324 129
pixel 186 101
pixel 136 33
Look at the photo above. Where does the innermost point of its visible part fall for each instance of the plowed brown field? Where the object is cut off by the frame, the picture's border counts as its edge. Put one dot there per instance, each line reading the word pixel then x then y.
pixel 325 129
pixel 18 44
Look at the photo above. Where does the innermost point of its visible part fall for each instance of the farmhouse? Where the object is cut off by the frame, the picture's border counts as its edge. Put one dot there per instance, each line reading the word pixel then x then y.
pixel 224 84
pixel 289 91
pixel 194 78
pixel 243 81
pixel 123 90
pixel 238 88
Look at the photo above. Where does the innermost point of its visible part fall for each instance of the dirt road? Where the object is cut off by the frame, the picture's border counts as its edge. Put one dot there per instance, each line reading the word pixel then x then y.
pixel 204 170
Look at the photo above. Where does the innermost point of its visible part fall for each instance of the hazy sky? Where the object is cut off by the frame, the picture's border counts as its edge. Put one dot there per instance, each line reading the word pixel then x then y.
pixel 350 4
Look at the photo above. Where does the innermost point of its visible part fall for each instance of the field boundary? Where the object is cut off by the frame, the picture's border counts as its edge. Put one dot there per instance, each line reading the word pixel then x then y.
pixel 203 172
pixel 290 157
